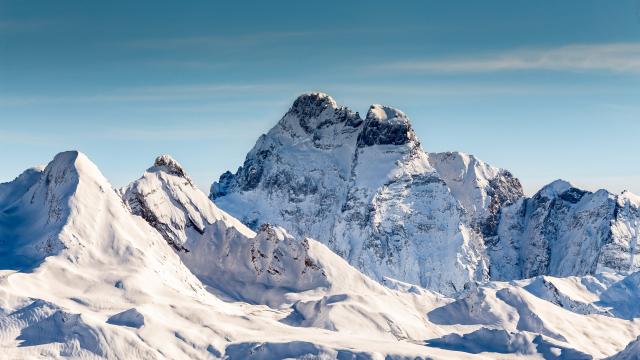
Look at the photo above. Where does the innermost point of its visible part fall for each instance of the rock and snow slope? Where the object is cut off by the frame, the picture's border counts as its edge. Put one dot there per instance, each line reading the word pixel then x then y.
pixel 81 256
pixel 82 277
pixel 480 188
pixel 365 188
pixel 218 248
pixel 272 267
pixel 84 274
pixel 563 231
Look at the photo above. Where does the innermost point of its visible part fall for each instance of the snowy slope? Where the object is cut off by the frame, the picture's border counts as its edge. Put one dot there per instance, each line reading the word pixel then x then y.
pixel 82 257
pixel 94 281
pixel 272 267
pixel 518 315
pixel 82 276
pixel 365 188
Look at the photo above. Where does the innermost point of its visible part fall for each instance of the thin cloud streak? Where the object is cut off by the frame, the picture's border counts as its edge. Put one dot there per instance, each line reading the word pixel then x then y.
pixel 219 40
pixel 146 94
pixel 191 92
pixel 249 39
pixel 23 25
pixel 613 57
pixel 182 133
pixel 467 88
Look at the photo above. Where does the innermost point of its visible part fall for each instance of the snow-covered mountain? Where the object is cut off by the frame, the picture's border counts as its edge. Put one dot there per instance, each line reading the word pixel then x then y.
pixel 217 247
pixel 72 257
pixel 157 271
pixel 221 251
pixel 367 189
pixel 563 231
pixel 82 277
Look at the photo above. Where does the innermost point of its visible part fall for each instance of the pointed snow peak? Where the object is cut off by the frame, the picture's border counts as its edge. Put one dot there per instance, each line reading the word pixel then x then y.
pixel 385 125
pixel 169 165
pixel 558 188
pixel 70 166
pixel 71 159
pixel 62 161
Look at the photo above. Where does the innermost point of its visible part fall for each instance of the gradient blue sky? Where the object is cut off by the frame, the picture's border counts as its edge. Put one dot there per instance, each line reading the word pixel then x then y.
pixel 547 89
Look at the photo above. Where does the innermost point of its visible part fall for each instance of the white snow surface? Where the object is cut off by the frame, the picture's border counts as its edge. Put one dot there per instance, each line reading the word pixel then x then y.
pixel 85 274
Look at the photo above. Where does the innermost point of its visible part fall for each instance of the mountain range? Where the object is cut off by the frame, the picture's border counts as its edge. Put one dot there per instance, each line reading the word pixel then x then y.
pixel 368 190
pixel 338 238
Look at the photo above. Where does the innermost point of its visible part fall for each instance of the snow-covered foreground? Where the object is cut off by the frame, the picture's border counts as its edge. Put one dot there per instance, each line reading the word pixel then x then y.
pixel 157 271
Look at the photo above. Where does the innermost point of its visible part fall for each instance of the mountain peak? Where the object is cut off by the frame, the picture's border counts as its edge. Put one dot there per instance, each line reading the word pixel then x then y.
pixel 386 113
pixel 66 159
pixel 174 207
pixel 170 165
pixel 385 125
pixel 311 112
pixel 555 188
pixel 312 104
pixel 68 167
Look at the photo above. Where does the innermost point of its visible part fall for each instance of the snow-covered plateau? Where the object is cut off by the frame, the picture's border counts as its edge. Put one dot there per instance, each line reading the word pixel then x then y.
pixel 338 238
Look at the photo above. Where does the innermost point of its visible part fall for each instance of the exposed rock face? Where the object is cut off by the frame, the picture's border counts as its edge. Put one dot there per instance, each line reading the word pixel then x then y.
pixel 385 126
pixel 563 231
pixel 368 190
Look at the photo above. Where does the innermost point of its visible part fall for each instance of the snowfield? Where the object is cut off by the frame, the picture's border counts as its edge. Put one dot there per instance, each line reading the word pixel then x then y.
pixel 425 256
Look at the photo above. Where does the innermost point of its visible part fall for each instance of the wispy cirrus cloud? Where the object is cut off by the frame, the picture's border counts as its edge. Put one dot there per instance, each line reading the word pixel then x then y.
pixel 256 38
pixel 158 93
pixel 23 25
pixel 612 57
pixel 219 40
pixel 180 133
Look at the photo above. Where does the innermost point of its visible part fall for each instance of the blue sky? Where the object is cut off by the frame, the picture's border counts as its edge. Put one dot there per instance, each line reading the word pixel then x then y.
pixel 547 89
